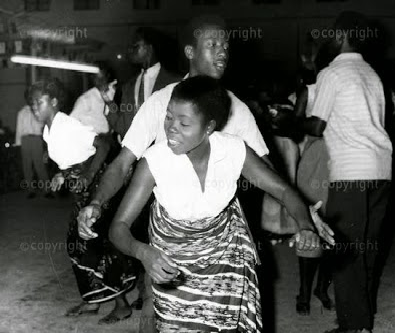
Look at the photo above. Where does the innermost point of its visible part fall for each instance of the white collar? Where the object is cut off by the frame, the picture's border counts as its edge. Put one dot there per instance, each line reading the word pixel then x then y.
pixel 348 55
pixel 153 70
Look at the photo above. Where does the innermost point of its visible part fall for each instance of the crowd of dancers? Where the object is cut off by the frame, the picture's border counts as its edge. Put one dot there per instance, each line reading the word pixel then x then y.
pixel 154 167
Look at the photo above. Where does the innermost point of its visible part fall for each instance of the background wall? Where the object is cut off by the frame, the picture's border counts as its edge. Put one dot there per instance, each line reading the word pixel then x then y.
pixel 284 27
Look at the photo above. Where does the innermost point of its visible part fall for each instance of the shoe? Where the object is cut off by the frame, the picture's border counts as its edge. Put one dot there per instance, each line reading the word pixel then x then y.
pixel 327 303
pixel 302 307
pixel 79 310
pixel 31 195
pixel 137 304
pixel 112 318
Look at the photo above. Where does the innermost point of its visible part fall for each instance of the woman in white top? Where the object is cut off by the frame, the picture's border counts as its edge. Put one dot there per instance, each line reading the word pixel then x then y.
pixel 101 271
pixel 201 256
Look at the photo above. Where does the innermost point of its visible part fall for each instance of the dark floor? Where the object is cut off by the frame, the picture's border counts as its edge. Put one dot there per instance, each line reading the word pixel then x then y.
pixel 37 284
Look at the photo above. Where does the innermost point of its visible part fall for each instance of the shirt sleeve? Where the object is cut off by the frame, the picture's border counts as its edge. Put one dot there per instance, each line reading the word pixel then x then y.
pixel 144 128
pixel 247 128
pixel 80 134
pixel 80 108
pixel 325 95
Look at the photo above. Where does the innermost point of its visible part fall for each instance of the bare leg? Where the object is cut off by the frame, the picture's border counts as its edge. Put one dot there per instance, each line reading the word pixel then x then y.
pixel 121 311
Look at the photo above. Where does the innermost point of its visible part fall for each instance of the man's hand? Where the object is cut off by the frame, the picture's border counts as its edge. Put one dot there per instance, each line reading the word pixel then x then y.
pixel 86 217
pixel 323 229
pixel 159 266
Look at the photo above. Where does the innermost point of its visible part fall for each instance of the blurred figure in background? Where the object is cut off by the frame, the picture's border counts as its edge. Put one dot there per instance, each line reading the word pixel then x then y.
pixel 349 111
pixel 313 170
pixel 151 77
pixel 29 137
pixel 90 108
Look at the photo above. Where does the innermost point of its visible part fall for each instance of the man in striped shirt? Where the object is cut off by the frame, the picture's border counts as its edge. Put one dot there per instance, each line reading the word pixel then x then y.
pixel 349 112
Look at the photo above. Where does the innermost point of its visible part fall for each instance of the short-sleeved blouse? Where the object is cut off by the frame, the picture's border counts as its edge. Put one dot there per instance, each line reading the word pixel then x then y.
pixel 178 187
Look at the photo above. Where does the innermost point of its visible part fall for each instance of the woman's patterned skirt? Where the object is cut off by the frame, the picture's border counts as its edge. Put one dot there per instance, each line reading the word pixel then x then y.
pixel 102 272
pixel 217 290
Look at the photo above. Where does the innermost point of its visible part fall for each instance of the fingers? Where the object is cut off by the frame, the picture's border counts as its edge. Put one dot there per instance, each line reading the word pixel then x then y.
pixel 169 261
pixel 318 205
pixel 160 274
pixel 161 267
pixel 325 234
pixel 308 240
pixel 86 218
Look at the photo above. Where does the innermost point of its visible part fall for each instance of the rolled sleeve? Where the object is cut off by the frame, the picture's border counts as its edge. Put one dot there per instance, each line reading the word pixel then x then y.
pixel 243 124
pixel 145 125
pixel 253 137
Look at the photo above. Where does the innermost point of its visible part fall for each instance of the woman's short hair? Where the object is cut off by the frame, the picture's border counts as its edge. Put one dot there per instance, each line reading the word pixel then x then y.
pixel 209 97
pixel 51 87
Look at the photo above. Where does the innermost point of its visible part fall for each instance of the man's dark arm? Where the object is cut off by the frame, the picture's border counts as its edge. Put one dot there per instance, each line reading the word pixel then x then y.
pixel 102 144
pixel 114 177
pixel 312 125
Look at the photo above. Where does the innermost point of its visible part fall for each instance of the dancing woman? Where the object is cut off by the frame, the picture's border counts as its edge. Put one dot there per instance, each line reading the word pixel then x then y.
pixel 201 256
pixel 102 272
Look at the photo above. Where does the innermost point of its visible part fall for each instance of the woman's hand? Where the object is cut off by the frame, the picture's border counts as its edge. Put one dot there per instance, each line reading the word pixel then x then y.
pixel 159 266
pixel 57 182
pixel 86 217
pixel 306 240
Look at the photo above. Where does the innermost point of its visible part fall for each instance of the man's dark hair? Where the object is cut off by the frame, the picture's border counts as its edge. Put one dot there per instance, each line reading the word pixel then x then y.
pixel 324 56
pixel 150 36
pixel 352 24
pixel 196 25
pixel 51 87
pixel 208 95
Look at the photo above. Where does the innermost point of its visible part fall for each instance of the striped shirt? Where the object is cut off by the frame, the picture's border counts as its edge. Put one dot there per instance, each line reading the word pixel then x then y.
pixel 350 98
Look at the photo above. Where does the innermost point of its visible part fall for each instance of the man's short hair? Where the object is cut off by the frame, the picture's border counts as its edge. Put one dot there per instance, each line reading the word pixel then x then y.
pixel 150 36
pixel 352 24
pixel 196 25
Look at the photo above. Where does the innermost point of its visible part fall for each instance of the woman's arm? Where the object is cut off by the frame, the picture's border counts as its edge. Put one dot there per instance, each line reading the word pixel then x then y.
pixel 102 144
pixel 260 175
pixel 157 264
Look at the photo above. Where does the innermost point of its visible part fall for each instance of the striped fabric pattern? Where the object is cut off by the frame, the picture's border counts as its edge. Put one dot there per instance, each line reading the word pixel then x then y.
pixel 350 98
pixel 218 287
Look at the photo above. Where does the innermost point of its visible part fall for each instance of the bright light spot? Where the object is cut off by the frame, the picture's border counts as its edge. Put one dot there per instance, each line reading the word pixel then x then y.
pixel 119 56
pixel 7 145
pixel 52 63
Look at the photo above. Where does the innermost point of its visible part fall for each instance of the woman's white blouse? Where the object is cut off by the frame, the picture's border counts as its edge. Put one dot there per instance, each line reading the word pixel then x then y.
pixel 69 142
pixel 178 187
